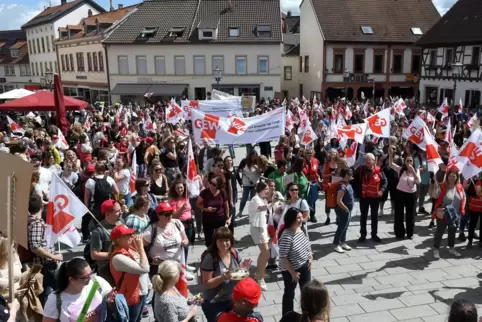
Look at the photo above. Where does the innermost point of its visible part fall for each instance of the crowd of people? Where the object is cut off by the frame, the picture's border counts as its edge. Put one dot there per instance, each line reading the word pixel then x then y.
pixel 137 243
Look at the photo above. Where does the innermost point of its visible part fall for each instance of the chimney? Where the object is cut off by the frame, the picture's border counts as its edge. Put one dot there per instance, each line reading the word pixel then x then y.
pixel 111 6
pixel 120 6
pixel 62 2
pixel 288 14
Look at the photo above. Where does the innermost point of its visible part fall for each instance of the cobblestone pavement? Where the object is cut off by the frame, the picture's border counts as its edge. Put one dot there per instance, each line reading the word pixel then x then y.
pixel 388 281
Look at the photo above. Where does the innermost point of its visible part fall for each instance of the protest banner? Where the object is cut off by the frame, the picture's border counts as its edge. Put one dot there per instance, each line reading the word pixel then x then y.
pixel 223 108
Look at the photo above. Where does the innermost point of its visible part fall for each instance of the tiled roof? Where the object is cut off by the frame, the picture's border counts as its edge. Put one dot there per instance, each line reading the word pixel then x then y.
pixel 8 38
pixel 54 13
pixel 460 25
pixel 18 44
pixel 74 27
pixel 390 20
pixel 2 43
pixel 62 29
pixel 193 14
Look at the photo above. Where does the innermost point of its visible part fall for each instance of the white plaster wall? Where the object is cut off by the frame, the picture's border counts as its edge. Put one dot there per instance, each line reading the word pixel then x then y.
pixel 84 47
pixel 293 85
pixel 462 86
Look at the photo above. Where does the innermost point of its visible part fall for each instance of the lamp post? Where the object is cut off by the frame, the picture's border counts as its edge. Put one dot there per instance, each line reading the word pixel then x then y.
pixel 218 74
pixel 49 78
pixel 346 76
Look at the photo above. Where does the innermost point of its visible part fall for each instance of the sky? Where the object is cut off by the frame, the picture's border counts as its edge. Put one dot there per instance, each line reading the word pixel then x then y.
pixel 13 15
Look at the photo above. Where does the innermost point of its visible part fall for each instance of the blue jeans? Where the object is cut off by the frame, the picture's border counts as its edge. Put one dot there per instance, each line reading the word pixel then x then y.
pixel 313 195
pixel 135 311
pixel 231 151
pixel 248 192
pixel 290 286
pixel 189 230
pixel 128 200
pixel 141 168
pixel 343 221
pixel 211 310
pixel 464 222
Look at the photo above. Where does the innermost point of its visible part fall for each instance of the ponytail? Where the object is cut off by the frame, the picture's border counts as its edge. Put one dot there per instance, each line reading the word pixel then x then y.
pixel 62 278
pixel 72 268
pixel 158 284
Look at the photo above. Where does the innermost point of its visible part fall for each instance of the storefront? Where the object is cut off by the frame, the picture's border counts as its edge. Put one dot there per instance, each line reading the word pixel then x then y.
pixel 125 93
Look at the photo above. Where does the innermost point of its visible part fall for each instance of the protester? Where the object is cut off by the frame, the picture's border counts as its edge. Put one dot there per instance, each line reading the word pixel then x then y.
pixel 250 175
pixel 294 200
pixel 345 201
pixel 463 311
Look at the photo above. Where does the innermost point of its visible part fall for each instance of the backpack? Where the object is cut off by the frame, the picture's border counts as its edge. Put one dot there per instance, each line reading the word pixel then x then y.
pixel 102 191
pixel 79 187
pixel 331 194
pixel 216 258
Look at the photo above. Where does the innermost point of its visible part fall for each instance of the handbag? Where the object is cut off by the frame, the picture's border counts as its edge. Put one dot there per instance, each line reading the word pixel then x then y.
pixel 452 216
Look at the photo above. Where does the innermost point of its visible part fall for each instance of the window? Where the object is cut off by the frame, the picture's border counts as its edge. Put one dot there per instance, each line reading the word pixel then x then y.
pixel 433 58
pixel 179 65
pixel 264 30
pixel 6 70
pixel 449 56
pixel 176 31
pixel 307 64
pixel 475 55
pixel 43 45
pixel 359 63
pixel 36 69
pixel 38 45
pixel 89 62
pixel 199 65
pixel 41 69
pixel 123 64
pixel 96 62
pixel 47 67
pixel 51 67
pixel 367 30
pixel 33 68
pixel 22 70
pixel 72 62
pixel 416 63
pixel 30 51
pixel 241 65
pixel 56 66
pixel 378 63
pixel 233 32
pixel 339 64
pixel 207 34
pixel 80 62
pixel 160 65
pixel 301 64
pixel 218 61
pixel 288 73
pixel 416 31
pixel 397 63
pixel 101 61
pixel 148 32
pixel 141 65
pixel 62 62
pixel 263 65
pixel 48 43
pixel 53 42
pixel 15 52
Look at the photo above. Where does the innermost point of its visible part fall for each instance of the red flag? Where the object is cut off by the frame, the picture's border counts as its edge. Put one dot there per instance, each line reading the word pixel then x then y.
pixel 61 115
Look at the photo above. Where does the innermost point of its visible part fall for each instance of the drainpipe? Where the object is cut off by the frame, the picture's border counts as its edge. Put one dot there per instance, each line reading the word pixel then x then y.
pixel 108 73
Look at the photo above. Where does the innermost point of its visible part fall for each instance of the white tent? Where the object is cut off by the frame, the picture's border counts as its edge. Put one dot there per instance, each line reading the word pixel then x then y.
pixel 15 93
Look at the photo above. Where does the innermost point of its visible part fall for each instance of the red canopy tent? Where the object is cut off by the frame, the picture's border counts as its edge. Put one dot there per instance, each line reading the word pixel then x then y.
pixel 41 101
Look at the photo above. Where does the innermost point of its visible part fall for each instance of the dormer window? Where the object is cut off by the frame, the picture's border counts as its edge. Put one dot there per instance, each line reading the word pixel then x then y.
pixel 233 31
pixel 207 33
pixel 416 31
pixel 176 31
pixel 148 32
pixel 264 30
pixel 15 52
pixel 367 30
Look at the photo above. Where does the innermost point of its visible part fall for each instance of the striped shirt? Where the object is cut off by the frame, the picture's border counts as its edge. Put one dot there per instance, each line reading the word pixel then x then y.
pixel 138 223
pixel 294 246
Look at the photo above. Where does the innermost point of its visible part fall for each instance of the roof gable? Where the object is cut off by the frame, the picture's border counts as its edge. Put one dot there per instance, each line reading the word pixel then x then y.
pixel 390 20
pixel 460 25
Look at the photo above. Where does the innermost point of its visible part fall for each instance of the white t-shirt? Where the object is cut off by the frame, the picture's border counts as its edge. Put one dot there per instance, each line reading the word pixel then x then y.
pixel 257 218
pixel 168 240
pixel 45 178
pixel 90 184
pixel 72 304
pixel 71 179
pixel 123 185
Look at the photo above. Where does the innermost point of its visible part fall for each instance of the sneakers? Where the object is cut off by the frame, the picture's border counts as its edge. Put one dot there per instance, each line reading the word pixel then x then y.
pixel 272 267
pixel 327 222
pixel 145 312
pixel 362 239
pixel 454 252
pixel 462 237
pixel 436 253
pixel 262 285
pixel 422 210
pixel 338 249
pixel 345 247
pixel 190 268
pixel 189 276
pixel 376 239
pixel 432 224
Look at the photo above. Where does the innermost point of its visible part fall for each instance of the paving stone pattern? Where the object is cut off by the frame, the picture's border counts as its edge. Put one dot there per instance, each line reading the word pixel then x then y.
pixel 388 281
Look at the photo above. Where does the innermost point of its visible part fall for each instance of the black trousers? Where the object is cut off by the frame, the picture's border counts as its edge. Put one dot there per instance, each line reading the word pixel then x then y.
pixel 474 218
pixel 209 228
pixel 85 228
pixel 365 204
pixel 405 204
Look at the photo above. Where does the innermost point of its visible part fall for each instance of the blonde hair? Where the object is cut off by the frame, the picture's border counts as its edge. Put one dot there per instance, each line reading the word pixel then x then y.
pixel 4 251
pixel 167 276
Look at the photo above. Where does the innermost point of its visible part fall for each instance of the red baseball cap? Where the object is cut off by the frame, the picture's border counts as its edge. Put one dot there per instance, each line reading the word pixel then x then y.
pixel 164 207
pixel 248 290
pixel 149 140
pixel 107 206
pixel 90 168
pixel 121 230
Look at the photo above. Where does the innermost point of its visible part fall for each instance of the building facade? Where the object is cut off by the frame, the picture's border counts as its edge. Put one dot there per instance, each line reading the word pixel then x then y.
pixel 43 30
pixel 290 78
pixel 451 57
pixel 344 51
pixel 14 61
pixel 189 48
pixel 82 56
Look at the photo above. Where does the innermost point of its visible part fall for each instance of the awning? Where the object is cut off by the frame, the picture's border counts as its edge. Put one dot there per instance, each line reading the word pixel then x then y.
pixel 130 89
pixel 236 85
pixel 167 89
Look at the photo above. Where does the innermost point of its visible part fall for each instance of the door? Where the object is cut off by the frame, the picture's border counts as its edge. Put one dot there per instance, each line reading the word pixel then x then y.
pixel 200 93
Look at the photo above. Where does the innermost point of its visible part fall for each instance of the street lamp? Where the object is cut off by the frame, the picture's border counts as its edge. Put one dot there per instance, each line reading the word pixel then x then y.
pixel 49 78
pixel 218 74
pixel 347 76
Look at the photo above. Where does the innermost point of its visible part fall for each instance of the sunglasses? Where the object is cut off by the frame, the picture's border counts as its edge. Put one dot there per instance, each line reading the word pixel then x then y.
pixel 294 189
pixel 85 277
pixel 409 161
pixel 158 170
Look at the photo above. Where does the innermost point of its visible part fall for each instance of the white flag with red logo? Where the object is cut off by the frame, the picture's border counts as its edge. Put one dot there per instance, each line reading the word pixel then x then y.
pixel 61 142
pixel 472 120
pixel 350 153
pixel 379 124
pixel 448 133
pixel 431 149
pixel 399 107
pixel 174 113
pixel 14 126
pixel 149 125
pixel 453 163
pixel 181 284
pixel 308 137
pixel 348 114
pixel 355 131
pixel 444 108
pixel 460 108
pixel 304 121
pixel 133 178
pixel 192 184
pixel 64 209
pixel 415 132
pixel 289 121
pixel 470 155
